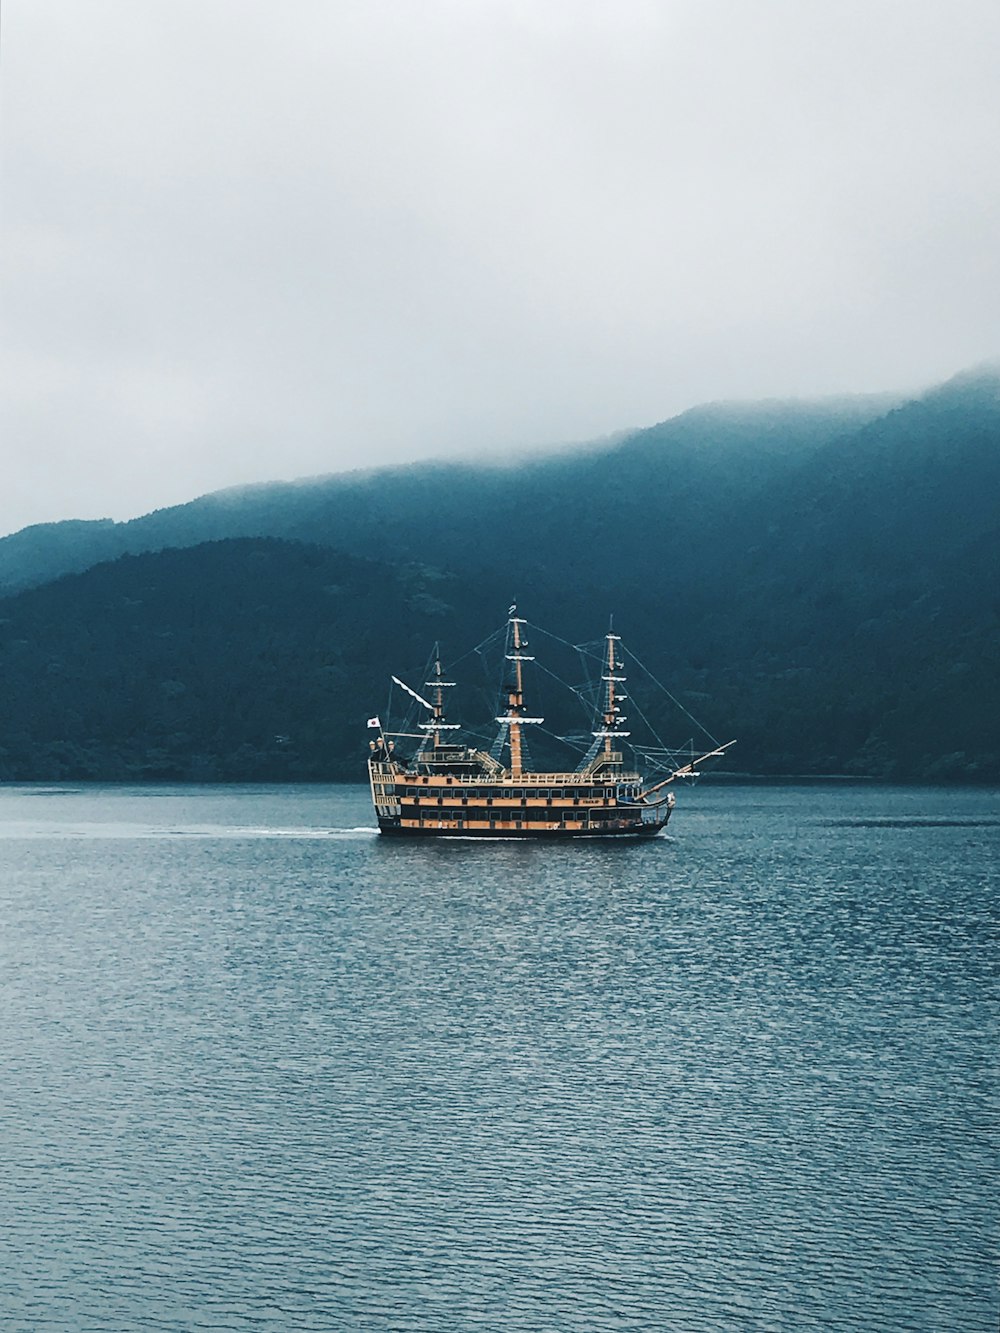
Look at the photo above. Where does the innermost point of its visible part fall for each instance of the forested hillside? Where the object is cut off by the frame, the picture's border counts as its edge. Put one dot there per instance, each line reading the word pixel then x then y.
pixel 818 581
pixel 255 659
pixel 240 659
pixel 686 472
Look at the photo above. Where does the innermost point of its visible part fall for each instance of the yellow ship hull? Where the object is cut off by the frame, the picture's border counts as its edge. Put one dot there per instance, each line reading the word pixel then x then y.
pixel 548 805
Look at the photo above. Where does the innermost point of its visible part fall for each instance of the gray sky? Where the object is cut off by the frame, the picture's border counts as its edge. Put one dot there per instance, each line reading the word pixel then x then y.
pixel 245 240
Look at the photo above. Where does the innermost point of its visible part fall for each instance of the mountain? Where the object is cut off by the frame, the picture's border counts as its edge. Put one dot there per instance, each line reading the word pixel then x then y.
pixel 258 659
pixel 242 659
pixel 46 550
pixel 818 580
pixel 710 454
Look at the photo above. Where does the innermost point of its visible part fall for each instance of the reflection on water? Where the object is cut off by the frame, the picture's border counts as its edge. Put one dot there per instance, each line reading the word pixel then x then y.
pixel 263 1069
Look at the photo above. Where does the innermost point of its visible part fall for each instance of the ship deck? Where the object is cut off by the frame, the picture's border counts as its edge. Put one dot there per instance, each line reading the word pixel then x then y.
pixel 555 804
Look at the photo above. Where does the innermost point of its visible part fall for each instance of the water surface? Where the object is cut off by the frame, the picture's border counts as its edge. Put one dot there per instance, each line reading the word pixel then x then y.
pixel 263 1070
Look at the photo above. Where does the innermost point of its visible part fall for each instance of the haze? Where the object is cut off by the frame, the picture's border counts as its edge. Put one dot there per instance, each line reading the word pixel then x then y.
pixel 244 241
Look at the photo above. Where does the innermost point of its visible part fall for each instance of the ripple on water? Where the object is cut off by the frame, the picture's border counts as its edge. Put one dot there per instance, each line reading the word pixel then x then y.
pixel 264 1070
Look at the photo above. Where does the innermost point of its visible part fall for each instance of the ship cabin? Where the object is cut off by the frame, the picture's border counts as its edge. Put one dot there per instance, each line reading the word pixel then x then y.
pixel 467 791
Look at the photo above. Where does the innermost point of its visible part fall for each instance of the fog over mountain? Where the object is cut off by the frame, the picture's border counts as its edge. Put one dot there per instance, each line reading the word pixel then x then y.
pixel 818 579
pixel 711 454
pixel 244 241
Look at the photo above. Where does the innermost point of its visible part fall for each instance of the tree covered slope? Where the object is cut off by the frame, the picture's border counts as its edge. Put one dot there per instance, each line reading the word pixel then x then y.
pixel 820 581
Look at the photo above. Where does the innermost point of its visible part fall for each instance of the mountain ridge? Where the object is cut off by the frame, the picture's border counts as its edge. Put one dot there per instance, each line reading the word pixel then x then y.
pixel 294 508
pixel 829 587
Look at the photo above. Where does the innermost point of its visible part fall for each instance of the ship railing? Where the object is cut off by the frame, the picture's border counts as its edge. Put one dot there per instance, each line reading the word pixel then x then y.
pixel 576 779
pixel 503 778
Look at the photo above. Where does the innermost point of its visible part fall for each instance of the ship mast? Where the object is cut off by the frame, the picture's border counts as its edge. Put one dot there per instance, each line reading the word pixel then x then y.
pixel 514 718
pixel 612 717
pixel 436 724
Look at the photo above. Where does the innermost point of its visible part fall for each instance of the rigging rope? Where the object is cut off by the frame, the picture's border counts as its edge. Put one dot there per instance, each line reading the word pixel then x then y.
pixel 587 694
pixel 594 649
pixel 673 699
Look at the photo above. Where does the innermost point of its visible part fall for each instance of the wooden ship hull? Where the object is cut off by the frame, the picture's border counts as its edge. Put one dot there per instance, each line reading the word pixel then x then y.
pixel 550 805
pixel 447 789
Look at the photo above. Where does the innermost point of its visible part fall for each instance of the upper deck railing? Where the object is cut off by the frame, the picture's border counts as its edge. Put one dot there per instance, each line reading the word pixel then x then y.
pixel 504 779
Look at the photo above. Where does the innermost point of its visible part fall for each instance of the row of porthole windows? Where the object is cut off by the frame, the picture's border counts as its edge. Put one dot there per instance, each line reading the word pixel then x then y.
pixel 546 817
pixel 542 793
pixel 486 801
pixel 539 813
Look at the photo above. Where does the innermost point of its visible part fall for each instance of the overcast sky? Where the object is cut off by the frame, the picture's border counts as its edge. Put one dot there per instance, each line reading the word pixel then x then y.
pixel 243 241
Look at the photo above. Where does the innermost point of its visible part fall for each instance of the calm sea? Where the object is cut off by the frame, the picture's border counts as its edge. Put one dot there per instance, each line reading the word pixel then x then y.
pixel 262 1070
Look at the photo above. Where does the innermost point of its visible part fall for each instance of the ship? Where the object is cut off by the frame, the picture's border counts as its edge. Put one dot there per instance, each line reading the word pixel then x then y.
pixel 448 788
